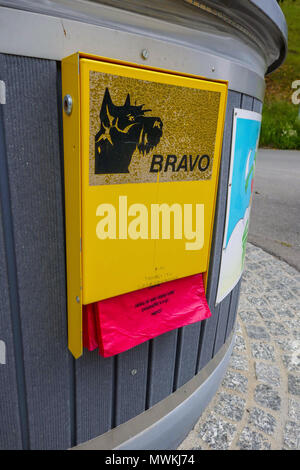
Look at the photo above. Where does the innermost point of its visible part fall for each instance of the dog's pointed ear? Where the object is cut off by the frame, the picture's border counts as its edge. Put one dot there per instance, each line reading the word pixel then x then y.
pixel 127 101
pixel 106 111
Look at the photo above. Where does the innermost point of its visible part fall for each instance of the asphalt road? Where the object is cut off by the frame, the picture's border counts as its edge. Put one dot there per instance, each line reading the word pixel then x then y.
pixel 275 215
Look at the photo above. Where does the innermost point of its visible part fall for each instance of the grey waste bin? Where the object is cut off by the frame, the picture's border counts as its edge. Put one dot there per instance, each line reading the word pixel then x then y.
pixel 148 397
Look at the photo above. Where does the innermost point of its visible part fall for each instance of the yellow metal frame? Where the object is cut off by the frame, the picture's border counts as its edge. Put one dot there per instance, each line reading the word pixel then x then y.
pixel 72 162
pixel 76 177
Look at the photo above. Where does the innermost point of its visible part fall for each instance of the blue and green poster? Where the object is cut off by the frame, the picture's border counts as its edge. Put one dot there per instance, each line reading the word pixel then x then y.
pixel 245 137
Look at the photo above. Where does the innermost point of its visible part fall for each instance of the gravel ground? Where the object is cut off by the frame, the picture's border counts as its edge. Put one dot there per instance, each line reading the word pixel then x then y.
pixel 257 405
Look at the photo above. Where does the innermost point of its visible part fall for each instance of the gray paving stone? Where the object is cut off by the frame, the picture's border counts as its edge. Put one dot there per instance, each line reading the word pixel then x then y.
pixel 293 283
pixel 292 362
pixel 258 283
pixel 239 343
pixel 266 313
pixel 263 421
pixel 287 295
pixel 296 334
pixel 265 274
pixel 263 351
pixel 294 323
pixel 230 406
pixel 235 381
pixel 267 264
pixel 249 316
pixel 267 373
pixel 290 270
pixel 291 437
pixel 294 384
pixel 285 312
pixel 285 281
pixel 288 344
pixel 267 290
pixel 247 275
pixel 257 301
pixel 217 432
pixel 295 306
pixel 273 299
pixel 294 410
pixel 252 440
pixel 276 328
pixel 238 362
pixel 257 332
pixel 253 266
pixel 266 396
pixel 295 291
pixel 248 289
pixel 278 285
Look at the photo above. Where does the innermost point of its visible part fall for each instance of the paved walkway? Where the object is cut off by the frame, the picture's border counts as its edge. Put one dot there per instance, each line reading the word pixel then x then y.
pixel 257 405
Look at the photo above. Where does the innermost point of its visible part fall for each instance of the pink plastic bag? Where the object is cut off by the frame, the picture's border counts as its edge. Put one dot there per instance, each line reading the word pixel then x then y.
pixel 127 320
pixel 89 327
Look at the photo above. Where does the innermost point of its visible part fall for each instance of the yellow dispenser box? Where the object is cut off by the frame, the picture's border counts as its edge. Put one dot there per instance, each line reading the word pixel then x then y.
pixel 142 151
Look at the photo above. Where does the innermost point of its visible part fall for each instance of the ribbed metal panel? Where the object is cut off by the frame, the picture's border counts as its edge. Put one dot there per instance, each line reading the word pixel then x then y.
pixel 47 399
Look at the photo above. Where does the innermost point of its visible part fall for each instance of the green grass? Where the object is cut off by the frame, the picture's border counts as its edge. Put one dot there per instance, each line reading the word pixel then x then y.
pixel 279 126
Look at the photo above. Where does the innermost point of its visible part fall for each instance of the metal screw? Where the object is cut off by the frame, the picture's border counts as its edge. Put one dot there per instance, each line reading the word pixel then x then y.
pixel 145 54
pixel 133 372
pixel 77 299
pixel 68 104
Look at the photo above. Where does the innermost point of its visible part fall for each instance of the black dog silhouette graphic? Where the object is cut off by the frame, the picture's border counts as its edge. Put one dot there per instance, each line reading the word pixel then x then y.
pixel 123 129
